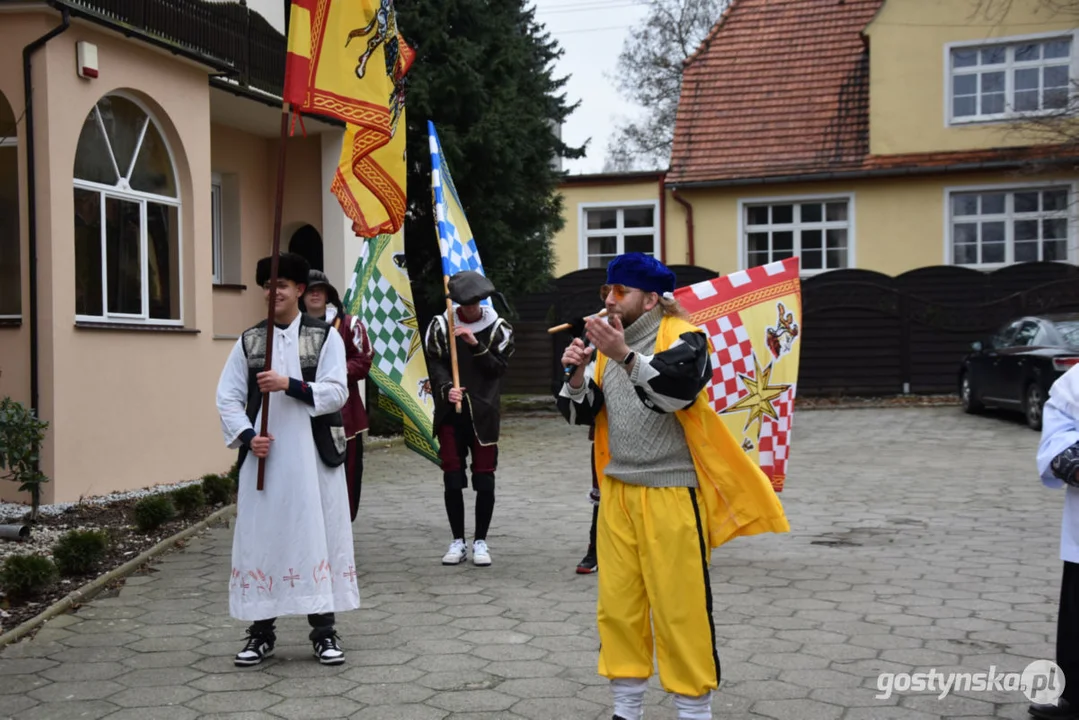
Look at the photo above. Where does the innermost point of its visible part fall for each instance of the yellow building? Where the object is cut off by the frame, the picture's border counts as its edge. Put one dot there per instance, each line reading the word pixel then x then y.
pixel 885 135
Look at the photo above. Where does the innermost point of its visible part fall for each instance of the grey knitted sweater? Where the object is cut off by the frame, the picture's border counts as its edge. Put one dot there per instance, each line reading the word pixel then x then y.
pixel 647 447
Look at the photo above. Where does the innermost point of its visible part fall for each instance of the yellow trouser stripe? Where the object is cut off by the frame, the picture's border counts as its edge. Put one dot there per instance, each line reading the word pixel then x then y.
pixel 653 558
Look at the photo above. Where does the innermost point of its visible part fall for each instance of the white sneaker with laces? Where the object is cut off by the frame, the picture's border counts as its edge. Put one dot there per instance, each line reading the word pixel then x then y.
pixel 480 556
pixel 456 554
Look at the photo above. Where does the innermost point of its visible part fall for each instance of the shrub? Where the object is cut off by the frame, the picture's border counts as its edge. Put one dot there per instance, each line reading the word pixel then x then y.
pixel 189 500
pixel 154 511
pixel 234 475
pixel 21 436
pixel 24 576
pixel 79 551
pixel 217 489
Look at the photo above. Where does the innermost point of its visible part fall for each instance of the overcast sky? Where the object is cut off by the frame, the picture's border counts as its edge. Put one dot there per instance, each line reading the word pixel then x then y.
pixel 591 32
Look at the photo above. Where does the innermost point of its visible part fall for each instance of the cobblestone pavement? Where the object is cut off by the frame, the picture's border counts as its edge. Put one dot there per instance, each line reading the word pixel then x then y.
pixel 921 539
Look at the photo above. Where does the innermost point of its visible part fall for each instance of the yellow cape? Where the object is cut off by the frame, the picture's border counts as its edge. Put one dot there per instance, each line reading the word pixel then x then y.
pixel 738 497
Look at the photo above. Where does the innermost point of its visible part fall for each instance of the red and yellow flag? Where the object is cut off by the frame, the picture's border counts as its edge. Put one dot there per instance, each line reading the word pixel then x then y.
pixel 347 60
pixel 754 320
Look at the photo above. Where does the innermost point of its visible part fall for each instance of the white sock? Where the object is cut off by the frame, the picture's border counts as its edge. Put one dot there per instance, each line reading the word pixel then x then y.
pixel 629 697
pixel 694 708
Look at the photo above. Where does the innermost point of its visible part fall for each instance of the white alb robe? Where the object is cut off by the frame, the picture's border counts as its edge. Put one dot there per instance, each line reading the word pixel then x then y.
pixel 292 551
pixel 1060 430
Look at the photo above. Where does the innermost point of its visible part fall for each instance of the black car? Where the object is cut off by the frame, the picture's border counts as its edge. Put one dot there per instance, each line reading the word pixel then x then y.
pixel 1016 367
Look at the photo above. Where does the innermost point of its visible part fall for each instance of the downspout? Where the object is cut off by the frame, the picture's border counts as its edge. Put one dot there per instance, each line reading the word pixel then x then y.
pixel 663 217
pixel 31 200
pixel 689 224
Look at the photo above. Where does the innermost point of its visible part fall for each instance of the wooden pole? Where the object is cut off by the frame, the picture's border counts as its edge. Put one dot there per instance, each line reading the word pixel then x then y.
pixel 275 255
pixel 451 339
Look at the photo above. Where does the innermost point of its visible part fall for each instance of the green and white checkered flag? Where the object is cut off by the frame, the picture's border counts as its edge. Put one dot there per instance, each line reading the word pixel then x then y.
pixel 399 368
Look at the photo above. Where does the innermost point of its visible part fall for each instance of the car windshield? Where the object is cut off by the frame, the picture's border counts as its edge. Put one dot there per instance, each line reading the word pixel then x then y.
pixel 1069 331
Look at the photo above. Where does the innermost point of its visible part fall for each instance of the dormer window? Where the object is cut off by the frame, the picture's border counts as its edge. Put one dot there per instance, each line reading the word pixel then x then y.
pixel 1007 80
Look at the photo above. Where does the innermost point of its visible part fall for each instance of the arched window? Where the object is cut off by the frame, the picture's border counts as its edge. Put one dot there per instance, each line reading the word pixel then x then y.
pixel 10 270
pixel 127 218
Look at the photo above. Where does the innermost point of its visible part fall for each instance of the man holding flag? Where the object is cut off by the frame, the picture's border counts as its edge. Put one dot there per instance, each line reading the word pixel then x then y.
pixel 470 343
pixel 484 345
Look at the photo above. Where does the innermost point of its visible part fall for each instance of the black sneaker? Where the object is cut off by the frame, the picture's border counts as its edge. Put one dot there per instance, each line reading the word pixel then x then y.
pixel 328 650
pixel 258 648
pixel 588 564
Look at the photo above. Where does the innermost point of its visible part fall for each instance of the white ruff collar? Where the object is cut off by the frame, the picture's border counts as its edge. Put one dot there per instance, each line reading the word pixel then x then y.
pixel 487 318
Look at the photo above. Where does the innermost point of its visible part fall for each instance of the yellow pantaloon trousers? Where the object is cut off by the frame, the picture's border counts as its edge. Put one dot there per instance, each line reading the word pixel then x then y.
pixel 652 548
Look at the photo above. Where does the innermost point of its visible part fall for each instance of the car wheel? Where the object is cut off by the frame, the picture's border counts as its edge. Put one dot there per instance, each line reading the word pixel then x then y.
pixel 1033 403
pixel 966 395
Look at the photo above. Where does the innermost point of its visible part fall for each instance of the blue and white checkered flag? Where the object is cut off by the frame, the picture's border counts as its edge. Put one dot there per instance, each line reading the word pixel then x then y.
pixel 454 236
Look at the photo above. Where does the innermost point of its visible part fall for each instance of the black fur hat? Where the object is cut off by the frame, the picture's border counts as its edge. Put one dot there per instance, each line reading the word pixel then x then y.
pixel 290 266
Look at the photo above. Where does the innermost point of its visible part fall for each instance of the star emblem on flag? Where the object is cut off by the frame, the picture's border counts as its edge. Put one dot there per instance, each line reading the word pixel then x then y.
pixel 760 401
pixel 410 321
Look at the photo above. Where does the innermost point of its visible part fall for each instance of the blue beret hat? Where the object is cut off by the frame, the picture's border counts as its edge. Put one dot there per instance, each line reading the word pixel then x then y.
pixel 637 270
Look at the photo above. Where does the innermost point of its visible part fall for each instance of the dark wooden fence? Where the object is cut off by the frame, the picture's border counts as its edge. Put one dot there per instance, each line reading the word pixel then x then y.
pixel 867 333
pixel 864 333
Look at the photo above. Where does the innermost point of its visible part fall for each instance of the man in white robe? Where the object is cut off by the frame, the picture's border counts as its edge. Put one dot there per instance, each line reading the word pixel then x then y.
pixel 1058 465
pixel 292 551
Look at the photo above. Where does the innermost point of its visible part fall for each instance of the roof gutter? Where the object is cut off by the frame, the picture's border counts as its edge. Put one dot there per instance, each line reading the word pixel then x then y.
pixel 131 32
pixel 689 224
pixel 860 174
pixel 31 204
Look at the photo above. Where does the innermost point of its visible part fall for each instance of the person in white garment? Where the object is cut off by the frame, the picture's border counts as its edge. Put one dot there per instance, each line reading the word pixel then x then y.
pixel 292 553
pixel 1058 465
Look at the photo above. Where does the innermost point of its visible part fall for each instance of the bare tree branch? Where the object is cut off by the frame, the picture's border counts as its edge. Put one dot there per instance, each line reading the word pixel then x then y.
pixel 649 73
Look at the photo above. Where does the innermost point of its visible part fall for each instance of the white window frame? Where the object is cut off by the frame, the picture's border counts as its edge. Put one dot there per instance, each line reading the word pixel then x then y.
pixel 583 233
pixel 5 143
pixel 216 215
pixel 122 191
pixel 743 245
pixel 1009 89
pixel 1009 228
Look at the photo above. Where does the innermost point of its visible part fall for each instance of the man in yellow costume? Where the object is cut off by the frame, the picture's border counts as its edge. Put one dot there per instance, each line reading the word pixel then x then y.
pixel 674 483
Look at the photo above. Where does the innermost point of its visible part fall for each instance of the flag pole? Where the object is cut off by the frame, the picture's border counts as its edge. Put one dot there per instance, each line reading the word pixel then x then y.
pixel 451 340
pixel 275 255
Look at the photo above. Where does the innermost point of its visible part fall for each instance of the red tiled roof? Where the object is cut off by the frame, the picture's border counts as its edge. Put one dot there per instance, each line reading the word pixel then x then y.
pixel 779 87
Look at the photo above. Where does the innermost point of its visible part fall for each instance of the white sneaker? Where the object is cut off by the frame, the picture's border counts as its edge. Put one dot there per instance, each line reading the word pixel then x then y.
pixel 456 554
pixel 480 556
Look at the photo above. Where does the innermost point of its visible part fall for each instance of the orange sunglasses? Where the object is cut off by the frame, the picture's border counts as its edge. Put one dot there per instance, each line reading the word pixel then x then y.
pixel 620 292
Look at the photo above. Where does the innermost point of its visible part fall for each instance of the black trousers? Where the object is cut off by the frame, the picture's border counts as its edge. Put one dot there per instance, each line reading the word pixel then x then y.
pixel 321 625
pixel 1068 631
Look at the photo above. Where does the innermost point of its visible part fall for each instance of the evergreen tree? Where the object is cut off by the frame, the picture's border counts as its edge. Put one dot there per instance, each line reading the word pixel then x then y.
pixel 484 75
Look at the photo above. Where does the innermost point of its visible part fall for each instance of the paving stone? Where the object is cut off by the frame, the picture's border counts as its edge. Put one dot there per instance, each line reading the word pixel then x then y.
pixel 14 704
pixel 59 692
pixel 154 696
pixel 803 631
pixel 412 712
pixel 73 710
pixel 391 694
pixel 315 708
pixel 240 701
pixel 84 671
pixel 471 700
pixel 797 710
pixel 160 676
